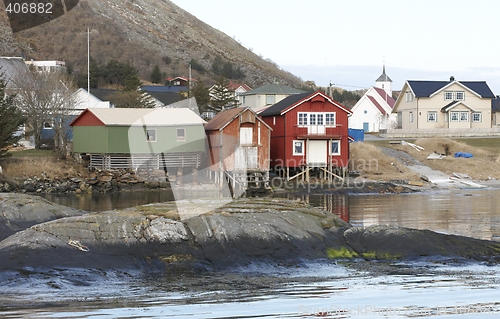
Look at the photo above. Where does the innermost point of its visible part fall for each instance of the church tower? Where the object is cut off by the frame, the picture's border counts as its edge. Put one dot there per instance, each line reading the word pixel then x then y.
pixel 384 82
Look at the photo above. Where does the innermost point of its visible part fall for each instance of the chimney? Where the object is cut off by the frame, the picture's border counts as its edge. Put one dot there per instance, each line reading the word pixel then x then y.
pixel 452 78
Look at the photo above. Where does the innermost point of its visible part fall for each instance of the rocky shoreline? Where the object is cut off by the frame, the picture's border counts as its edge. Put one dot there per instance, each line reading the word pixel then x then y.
pixel 156 238
pixel 102 181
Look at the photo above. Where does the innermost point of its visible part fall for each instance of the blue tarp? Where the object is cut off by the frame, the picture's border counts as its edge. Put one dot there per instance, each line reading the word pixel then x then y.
pixel 463 154
pixel 357 134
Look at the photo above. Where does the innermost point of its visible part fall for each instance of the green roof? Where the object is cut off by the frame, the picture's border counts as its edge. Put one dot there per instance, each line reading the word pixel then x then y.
pixel 274 88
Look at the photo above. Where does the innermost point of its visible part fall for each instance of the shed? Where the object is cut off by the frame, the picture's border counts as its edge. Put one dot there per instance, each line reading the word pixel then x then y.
pixel 239 143
pixel 124 138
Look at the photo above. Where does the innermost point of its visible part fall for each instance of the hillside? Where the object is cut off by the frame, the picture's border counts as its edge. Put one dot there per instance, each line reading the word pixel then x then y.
pixel 142 32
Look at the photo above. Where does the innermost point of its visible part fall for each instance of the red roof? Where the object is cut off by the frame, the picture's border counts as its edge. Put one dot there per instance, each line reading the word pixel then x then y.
pixel 379 107
pixel 232 86
pixel 389 99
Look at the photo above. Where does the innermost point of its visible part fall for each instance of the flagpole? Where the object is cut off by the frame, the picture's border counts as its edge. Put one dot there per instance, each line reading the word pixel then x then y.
pixel 88 66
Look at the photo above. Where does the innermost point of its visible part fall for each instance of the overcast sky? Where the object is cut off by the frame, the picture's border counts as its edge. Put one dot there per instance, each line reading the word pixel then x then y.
pixel 346 42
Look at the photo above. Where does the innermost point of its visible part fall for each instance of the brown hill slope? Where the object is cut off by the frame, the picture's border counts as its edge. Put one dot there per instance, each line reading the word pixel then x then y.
pixel 142 32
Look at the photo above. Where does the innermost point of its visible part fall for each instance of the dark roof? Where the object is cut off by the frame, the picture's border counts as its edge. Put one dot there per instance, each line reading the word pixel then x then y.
pixel 222 118
pixel 495 104
pixel 164 88
pixel 444 109
pixel 277 108
pixel 103 94
pixel 427 88
pixel 165 97
pixel 383 77
pixel 274 88
pixel 480 87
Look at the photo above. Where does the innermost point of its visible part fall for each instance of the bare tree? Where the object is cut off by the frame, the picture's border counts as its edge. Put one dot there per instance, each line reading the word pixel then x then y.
pixel 46 97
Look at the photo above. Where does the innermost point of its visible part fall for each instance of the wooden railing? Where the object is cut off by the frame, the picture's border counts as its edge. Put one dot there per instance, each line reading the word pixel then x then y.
pixel 154 161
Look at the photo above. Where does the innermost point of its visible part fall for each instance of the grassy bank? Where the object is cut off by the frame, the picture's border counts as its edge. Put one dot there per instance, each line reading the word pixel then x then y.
pixel 31 162
pixel 484 165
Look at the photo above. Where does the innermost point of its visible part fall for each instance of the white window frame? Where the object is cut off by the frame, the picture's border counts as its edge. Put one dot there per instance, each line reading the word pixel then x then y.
pixel 151 137
pixel 449 96
pixel 338 147
pixel 270 99
pixel 305 119
pixel 312 119
pixel 455 116
pixel 408 96
pixel 410 116
pixel 477 117
pixel 296 143
pixel 302 119
pixel 181 138
pixel 460 96
pixel 432 116
pixel 330 119
pixel 464 116
pixel 246 135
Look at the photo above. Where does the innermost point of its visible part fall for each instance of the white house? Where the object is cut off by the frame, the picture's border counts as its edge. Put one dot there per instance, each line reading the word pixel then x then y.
pixel 373 112
pixel 84 100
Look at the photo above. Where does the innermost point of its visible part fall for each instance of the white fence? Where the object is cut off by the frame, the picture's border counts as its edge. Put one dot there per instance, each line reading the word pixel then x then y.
pixel 153 161
pixel 442 132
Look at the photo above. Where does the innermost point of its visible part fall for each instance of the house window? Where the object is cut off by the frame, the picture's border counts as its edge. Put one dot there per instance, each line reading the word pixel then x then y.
pixel 448 95
pixel 409 96
pixel 298 147
pixel 411 117
pixel 335 148
pixel 312 119
pixel 460 95
pixel 302 118
pixel 244 99
pixel 320 117
pixel 181 134
pixel 464 116
pixel 270 99
pixel 330 119
pixel 432 116
pixel 476 117
pixel 454 116
pixel 151 135
pixel 246 136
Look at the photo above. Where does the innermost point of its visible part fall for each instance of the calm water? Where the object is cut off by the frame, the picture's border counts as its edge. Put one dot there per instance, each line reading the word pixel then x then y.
pixel 323 289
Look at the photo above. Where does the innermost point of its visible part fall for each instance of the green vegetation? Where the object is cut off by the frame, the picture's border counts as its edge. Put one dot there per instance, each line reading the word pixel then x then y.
pixel 156 75
pixel 114 73
pixel 31 153
pixel 342 252
pixel 226 69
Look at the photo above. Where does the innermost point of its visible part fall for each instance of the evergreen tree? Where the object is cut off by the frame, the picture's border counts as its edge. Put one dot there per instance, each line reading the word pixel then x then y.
pixel 202 95
pixel 156 75
pixel 221 97
pixel 11 118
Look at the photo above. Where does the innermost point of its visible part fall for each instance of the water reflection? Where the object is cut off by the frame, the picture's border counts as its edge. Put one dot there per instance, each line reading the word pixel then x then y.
pixel 471 213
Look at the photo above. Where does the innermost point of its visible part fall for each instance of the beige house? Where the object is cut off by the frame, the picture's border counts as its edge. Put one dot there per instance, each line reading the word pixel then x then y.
pixel 444 104
pixel 265 96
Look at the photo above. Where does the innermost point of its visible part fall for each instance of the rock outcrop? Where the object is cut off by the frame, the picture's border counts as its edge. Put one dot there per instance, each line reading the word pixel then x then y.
pixel 154 238
pixel 18 212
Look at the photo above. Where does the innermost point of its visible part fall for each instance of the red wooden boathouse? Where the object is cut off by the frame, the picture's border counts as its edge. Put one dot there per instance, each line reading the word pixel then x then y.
pixel 239 147
pixel 309 136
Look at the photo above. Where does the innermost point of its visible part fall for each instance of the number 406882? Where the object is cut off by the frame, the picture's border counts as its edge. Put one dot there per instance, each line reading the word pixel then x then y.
pixel 25 8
